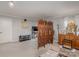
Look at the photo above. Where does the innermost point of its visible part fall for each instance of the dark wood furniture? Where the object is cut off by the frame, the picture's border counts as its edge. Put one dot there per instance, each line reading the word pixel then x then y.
pixel 24 38
pixel 45 33
pixel 74 38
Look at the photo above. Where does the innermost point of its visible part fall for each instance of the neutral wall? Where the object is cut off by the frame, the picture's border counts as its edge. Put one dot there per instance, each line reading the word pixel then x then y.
pixel 11 28
pixel 19 30
pixel 61 22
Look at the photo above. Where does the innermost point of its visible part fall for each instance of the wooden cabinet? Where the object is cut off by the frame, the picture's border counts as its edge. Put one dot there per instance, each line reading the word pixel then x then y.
pixel 60 38
pixel 73 37
pixel 77 43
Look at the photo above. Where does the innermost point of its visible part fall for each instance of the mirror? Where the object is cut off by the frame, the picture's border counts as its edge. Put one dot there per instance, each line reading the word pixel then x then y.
pixel 71 26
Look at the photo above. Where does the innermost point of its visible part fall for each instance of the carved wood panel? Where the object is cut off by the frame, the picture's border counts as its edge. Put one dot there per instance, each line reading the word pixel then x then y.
pixel 45 33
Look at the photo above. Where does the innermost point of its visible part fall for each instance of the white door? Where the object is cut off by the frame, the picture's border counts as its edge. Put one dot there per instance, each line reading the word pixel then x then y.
pixel 5 30
pixel 1 31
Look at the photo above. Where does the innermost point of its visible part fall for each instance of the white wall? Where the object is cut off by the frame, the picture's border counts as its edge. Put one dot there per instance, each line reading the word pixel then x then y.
pixel 18 30
pixel 61 23
pixel 11 28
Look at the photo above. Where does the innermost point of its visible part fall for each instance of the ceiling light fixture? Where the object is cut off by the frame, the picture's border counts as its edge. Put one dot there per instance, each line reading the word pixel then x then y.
pixel 11 4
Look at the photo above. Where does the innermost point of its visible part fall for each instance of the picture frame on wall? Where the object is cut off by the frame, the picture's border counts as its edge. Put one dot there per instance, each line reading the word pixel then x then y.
pixel 24 23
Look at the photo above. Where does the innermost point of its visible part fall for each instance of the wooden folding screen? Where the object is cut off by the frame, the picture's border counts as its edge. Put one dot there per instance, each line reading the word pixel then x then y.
pixel 51 32
pixel 45 33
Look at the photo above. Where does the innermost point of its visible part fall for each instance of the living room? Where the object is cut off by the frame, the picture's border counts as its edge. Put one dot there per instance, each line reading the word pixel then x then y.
pixel 39 28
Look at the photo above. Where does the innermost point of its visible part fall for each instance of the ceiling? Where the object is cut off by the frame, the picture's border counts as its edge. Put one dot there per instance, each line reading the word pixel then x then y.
pixel 39 8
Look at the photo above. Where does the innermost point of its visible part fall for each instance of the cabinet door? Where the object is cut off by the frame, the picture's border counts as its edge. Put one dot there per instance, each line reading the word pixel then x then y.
pixel 60 38
pixel 77 44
